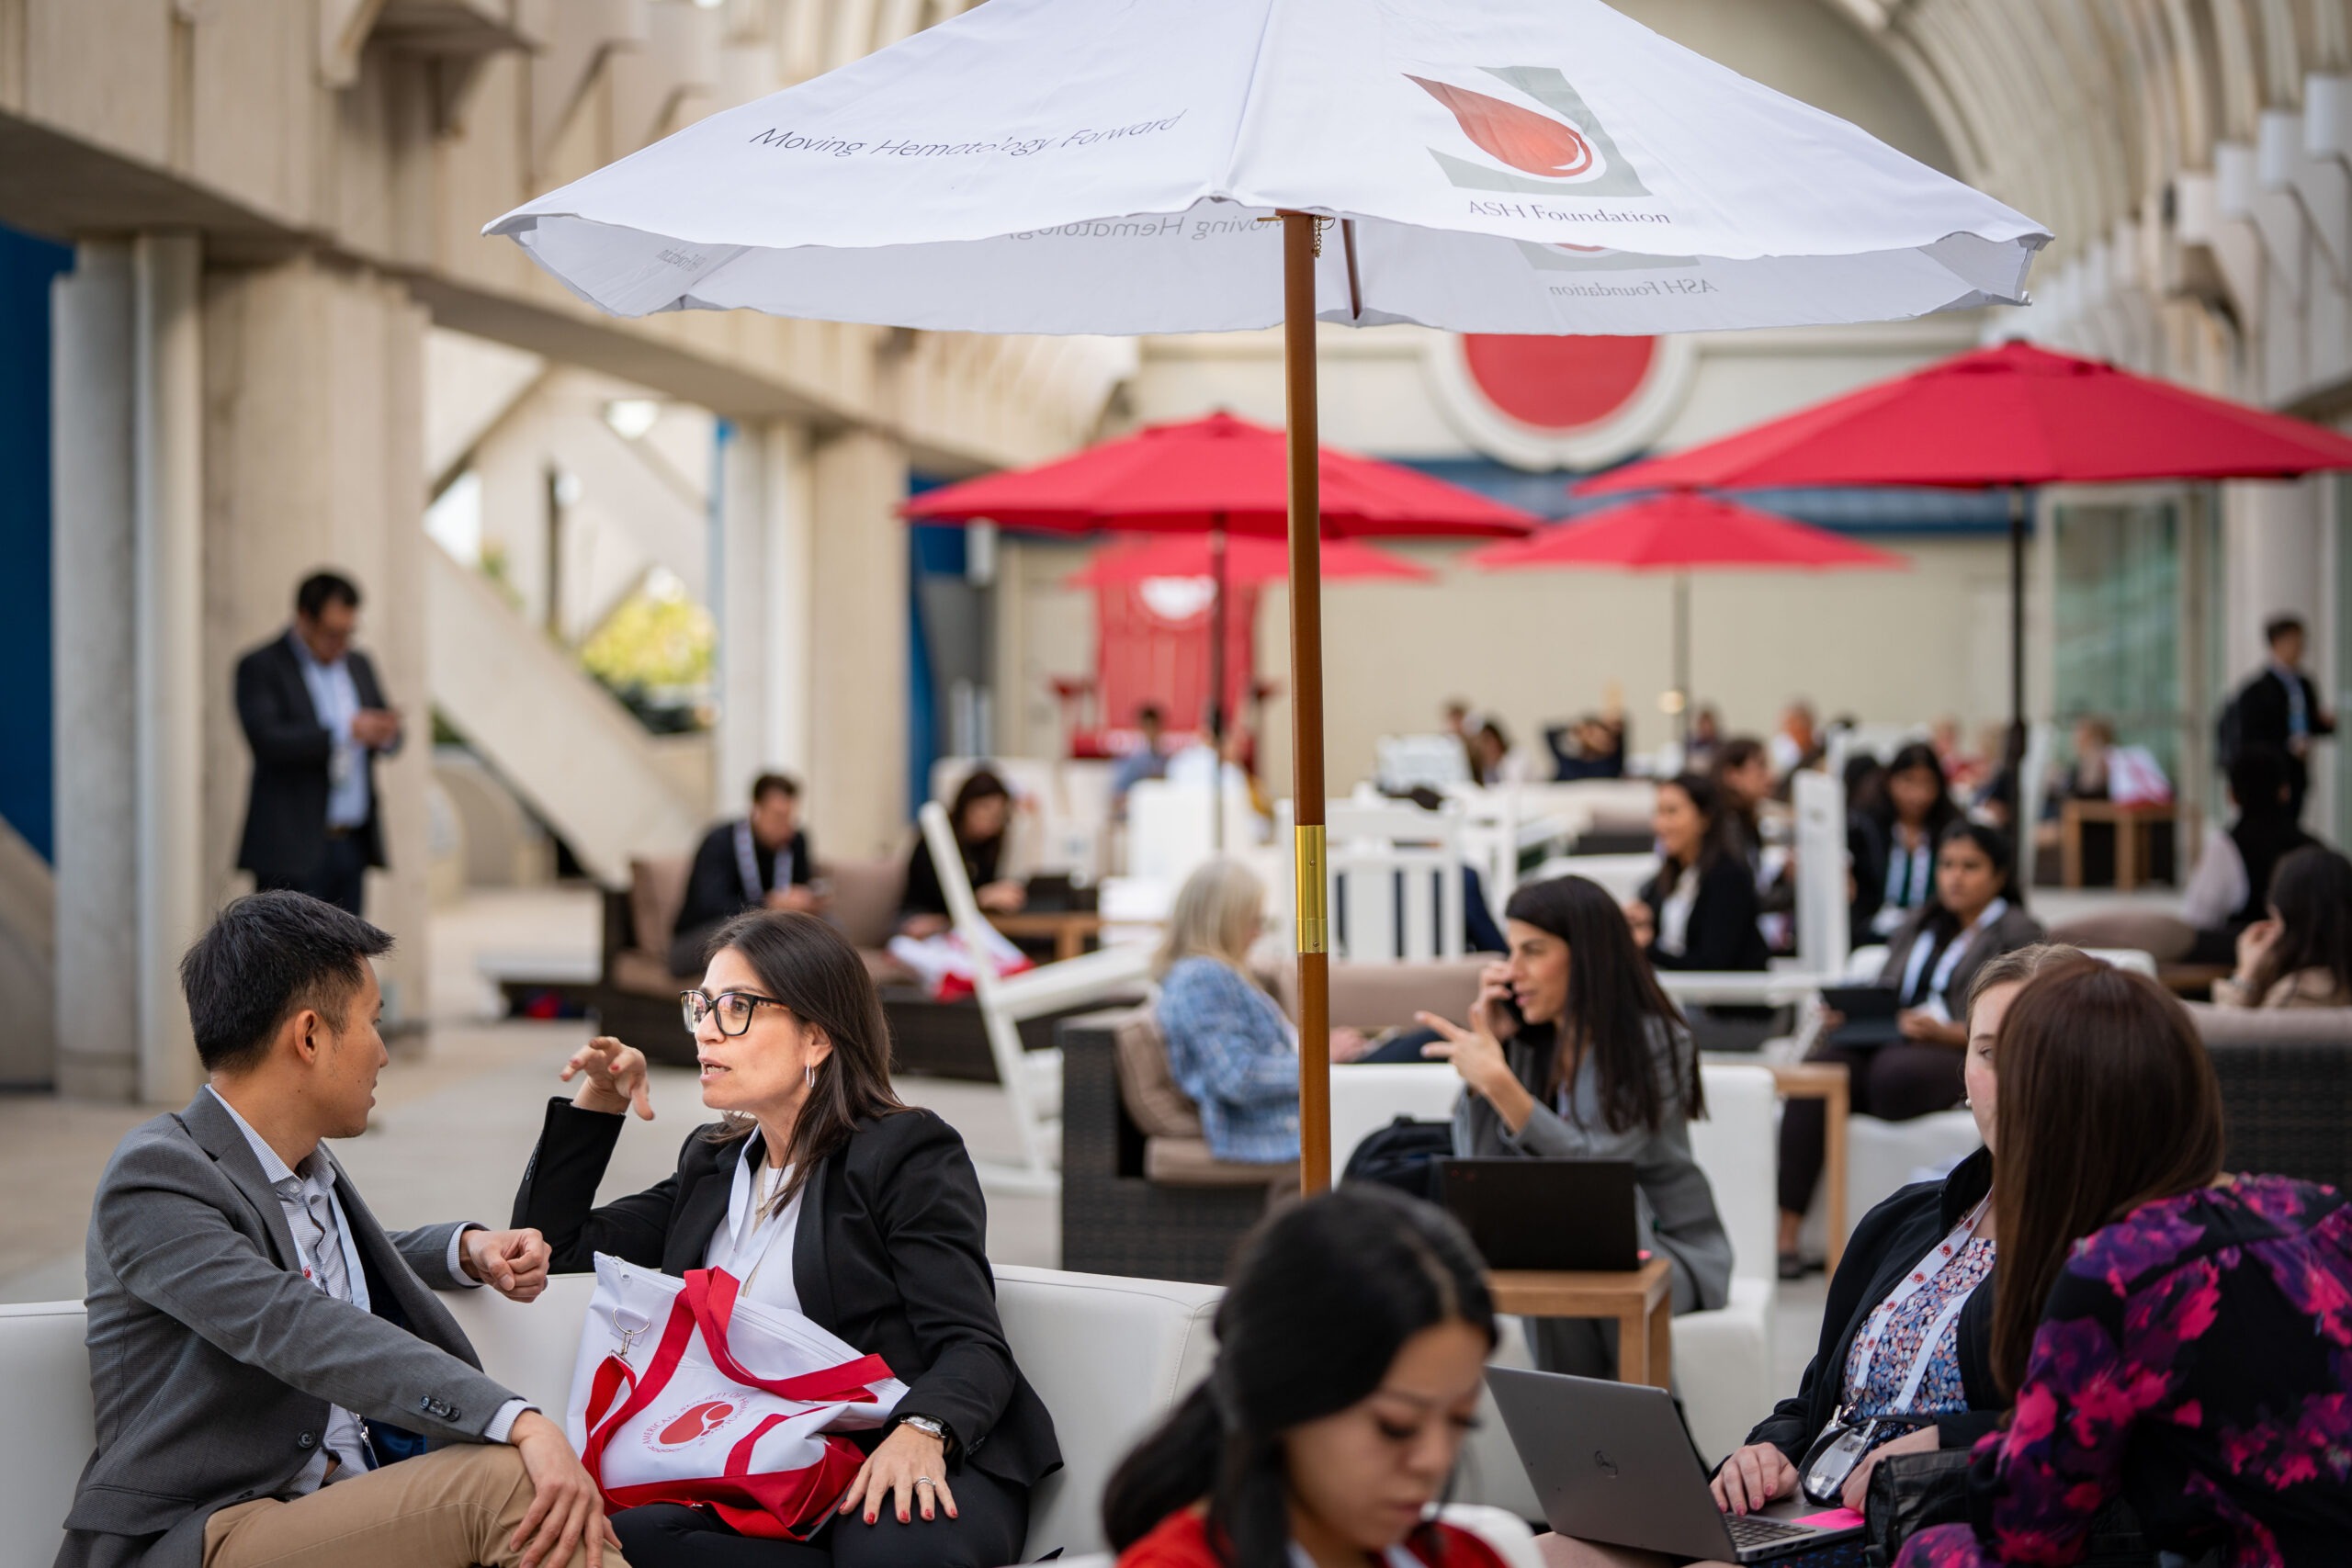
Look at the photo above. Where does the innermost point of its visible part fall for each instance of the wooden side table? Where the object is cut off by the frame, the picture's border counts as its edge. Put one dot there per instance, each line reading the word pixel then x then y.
pixel 1827 1082
pixel 2132 825
pixel 1641 1302
pixel 1068 929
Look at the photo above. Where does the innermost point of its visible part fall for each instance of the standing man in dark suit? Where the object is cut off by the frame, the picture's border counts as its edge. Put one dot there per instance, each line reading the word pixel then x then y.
pixel 2281 709
pixel 316 720
pixel 758 862
pixel 273 1380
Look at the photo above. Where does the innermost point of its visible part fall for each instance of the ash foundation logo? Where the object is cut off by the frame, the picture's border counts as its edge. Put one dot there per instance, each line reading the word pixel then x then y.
pixel 691 1424
pixel 1596 259
pixel 1564 151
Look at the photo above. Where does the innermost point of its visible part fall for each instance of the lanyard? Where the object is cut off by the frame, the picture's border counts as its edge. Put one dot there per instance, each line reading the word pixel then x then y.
pixel 747 865
pixel 1953 953
pixel 1906 873
pixel 1936 1262
pixel 749 1230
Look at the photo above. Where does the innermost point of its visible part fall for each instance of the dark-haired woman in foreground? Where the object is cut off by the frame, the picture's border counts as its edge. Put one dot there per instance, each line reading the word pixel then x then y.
pixel 1573 1052
pixel 1352 1347
pixel 822 1193
pixel 2175 1336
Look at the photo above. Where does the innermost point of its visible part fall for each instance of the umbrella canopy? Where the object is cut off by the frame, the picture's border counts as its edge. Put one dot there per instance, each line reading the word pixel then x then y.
pixel 1680 532
pixel 1248 562
pixel 2012 415
pixel 1068 166
pixel 2015 415
pixel 1217 472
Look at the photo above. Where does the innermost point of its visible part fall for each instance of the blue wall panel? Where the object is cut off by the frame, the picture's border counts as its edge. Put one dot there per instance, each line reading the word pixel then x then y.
pixel 26 264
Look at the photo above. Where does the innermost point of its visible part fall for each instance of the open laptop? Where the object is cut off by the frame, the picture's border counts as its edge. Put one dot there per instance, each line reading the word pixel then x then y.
pixel 1869 1012
pixel 1611 1462
pixel 1546 1213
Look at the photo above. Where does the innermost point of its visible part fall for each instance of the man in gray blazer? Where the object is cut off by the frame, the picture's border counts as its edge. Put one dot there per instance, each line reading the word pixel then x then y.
pixel 274 1380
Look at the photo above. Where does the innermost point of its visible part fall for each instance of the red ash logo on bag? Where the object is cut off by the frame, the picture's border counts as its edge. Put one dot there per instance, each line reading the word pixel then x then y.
pixel 693 1424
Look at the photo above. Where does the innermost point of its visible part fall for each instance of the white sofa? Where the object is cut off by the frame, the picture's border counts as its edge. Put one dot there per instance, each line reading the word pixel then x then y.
pixel 1108 1356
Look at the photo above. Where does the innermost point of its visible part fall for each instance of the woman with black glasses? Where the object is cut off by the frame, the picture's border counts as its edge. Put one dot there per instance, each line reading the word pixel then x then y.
pixel 825 1194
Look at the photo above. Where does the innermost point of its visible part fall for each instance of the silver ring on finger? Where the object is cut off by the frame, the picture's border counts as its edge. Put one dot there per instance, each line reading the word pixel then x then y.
pixel 926 1481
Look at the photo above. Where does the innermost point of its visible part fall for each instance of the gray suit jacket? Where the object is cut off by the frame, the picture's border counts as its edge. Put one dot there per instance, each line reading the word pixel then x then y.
pixel 213 1362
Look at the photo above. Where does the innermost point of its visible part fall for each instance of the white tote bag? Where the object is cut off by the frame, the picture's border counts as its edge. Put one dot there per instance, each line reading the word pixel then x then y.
pixel 685 1393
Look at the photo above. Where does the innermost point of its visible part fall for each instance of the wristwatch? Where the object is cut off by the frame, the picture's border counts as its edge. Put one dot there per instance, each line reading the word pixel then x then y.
pixel 929 1428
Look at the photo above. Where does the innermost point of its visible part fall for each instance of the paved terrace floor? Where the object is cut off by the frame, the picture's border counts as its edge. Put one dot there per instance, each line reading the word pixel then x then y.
pixel 460 1105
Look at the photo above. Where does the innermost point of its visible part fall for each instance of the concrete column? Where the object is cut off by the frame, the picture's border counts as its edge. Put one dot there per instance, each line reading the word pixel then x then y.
pixel 167 533
pixel 857 760
pixel 314 458
pixel 2270 533
pixel 2275 563
pixel 91 574
pixel 762 591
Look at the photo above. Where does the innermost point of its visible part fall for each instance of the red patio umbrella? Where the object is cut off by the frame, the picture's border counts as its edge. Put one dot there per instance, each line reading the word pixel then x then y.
pixel 2015 416
pixel 1681 533
pixel 1217 476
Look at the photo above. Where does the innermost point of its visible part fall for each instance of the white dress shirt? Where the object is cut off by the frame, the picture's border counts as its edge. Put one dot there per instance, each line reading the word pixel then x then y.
pixel 336 697
pixel 758 1250
pixel 298 1195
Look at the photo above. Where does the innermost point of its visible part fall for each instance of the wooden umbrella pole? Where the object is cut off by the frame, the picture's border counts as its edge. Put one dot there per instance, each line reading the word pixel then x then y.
pixel 1216 724
pixel 1300 245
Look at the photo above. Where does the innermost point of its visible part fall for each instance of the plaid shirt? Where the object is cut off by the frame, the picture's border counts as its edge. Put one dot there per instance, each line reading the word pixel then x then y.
pixel 1234 1054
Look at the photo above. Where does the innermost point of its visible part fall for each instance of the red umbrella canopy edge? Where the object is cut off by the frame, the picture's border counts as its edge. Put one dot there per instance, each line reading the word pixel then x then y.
pixel 2015 415
pixel 1216 471
pixel 1682 532
pixel 1250 560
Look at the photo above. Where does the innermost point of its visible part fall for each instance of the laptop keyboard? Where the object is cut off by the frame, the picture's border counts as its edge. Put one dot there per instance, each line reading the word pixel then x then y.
pixel 1748 1531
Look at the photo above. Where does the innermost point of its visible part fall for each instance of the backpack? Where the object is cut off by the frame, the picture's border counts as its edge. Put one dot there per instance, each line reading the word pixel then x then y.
pixel 1403 1154
pixel 2229 732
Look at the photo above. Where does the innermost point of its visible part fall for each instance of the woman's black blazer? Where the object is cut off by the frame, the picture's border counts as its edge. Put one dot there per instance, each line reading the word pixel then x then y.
pixel 1722 933
pixel 888 1256
pixel 1885 1246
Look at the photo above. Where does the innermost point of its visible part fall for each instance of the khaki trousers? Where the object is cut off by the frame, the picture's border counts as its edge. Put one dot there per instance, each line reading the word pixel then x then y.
pixel 454 1508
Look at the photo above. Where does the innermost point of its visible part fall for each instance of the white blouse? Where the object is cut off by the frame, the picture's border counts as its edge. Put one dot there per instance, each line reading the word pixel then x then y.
pixel 756 1250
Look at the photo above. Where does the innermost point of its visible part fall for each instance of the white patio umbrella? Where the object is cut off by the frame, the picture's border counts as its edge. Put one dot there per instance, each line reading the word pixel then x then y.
pixel 1117 166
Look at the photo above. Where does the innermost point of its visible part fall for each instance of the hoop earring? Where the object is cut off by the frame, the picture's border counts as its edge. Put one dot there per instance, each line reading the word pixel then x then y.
pixel 809 1074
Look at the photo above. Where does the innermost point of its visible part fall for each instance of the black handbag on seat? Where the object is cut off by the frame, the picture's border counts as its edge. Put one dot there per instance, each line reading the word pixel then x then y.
pixel 1910 1491
pixel 1403 1154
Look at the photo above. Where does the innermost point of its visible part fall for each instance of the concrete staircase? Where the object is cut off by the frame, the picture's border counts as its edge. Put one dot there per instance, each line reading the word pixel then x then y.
pixel 575 755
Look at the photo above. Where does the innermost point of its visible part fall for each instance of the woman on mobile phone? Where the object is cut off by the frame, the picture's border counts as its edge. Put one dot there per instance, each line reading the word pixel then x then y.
pixel 1572 1051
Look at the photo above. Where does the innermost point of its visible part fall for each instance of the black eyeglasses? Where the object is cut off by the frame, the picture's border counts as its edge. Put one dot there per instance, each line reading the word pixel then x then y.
pixel 734 1008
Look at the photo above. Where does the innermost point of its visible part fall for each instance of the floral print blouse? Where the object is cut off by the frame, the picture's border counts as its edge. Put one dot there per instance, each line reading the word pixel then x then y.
pixel 1874 1387
pixel 2195 1358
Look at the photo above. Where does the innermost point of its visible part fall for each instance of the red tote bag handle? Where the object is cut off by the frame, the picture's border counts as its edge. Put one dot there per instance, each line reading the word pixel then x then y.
pixel 710 1295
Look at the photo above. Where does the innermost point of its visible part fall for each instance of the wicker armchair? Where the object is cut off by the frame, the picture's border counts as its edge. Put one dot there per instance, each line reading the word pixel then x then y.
pixel 1145 1205
pixel 2286 1088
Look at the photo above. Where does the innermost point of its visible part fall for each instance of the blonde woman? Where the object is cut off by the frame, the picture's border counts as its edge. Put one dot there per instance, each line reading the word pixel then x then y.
pixel 1228 1044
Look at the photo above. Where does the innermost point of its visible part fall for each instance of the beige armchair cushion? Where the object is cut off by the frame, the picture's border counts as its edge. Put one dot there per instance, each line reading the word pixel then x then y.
pixel 1148 1084
pixel 866 893
pixel 657 891
pixel 1186 1162
pixel 1372 997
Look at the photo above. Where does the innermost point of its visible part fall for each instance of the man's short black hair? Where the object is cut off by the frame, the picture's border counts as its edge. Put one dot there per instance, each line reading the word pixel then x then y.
pixel 766 784
pixel 2277 626
pixel 1149 714
pixel 265 958
pixel 322 589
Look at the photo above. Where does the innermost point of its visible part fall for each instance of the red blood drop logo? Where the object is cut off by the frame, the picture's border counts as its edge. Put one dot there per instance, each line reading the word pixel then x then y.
pixel 1520 137
pixel 696 1421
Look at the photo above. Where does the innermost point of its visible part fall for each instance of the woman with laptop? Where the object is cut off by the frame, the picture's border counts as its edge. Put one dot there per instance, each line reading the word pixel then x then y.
pixel 1352 1348
pixel 2178 1337
pixel 1906 1356
pixel 1913 1070
pixel 1573 1052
